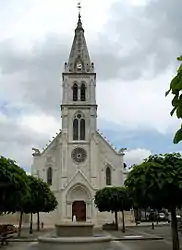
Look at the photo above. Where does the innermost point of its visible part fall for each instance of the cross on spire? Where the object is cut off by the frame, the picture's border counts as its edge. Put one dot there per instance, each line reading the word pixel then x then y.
pixel 79 24
pixel 79 8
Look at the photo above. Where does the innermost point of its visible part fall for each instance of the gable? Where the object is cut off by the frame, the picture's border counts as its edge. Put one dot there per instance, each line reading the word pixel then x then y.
pixel 79 177
pixel 104 144
pixel 52 145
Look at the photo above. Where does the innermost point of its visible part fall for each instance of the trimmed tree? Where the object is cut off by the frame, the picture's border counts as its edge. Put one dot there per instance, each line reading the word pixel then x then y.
pixel 175 89
pixel 113 199
pixel 25 206
pixel 157 182
pixel 13 185
pixel 47 199
pixel 41 199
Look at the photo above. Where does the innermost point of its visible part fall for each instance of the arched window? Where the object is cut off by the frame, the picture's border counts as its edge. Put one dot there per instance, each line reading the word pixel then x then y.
pixel 82 129
pixel 75 92
pixel 78 127
pixel 75 129
pixel 49 176
pixel 82 92
pixel 108 176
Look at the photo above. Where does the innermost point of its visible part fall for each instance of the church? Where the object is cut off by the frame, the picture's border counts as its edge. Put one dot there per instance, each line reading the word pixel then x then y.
pixel 79 160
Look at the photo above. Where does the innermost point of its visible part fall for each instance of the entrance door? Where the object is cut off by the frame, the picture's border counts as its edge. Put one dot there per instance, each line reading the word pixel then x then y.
pixel 79 210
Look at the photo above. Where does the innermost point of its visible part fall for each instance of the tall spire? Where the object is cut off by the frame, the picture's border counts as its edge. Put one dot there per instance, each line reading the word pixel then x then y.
pixel 79 59
pixel 79 24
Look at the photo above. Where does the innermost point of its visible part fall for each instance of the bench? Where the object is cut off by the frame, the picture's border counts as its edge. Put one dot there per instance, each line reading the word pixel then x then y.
pixel 6 232
pixel 5 236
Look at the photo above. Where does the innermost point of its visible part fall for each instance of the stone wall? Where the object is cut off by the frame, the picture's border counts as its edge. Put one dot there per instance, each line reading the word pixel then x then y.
pixel 13 218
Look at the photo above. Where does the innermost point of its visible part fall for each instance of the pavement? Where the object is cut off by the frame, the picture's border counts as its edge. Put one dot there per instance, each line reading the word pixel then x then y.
pixel 133 235
pixel 163 231
pixel 157 239
pixel 141 245
pixel 27 237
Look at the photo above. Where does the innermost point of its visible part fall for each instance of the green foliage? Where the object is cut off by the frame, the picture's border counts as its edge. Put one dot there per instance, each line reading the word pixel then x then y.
pixel 157 182
pixel 175 89
pixel 178 136
pixel 13 185
pixel 19 192
pixel 112 199
pixel 40 198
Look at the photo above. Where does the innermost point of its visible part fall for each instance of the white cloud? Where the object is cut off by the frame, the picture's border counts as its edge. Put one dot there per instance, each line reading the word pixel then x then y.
pixel 139 104
pixel 41 123
pixel 31 20
pixel 136 156
pixel 138 2
pixel 3 118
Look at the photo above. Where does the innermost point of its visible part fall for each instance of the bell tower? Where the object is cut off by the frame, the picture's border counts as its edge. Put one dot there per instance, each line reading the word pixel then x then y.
pixel 78 108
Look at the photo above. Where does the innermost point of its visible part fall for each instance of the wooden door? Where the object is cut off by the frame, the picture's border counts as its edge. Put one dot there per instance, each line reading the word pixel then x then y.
pixel 79 210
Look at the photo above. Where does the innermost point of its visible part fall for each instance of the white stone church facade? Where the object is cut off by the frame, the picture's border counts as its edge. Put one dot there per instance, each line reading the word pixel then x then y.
pixel 79 161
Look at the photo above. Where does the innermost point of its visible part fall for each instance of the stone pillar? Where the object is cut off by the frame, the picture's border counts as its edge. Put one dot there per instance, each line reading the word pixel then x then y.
pixel 92 91
pixel 93 163
pixel 79 94
pixel 94 213
pixel 69 210
pixel 64 161
pixel 88 210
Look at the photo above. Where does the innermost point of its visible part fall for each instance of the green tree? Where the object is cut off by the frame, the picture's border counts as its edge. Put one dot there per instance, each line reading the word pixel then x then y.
pixel 41 199
pixel 113 199
pixel 157 182
pixel 13 185
pixel 28 205
pixel 25 206
pixel 175 89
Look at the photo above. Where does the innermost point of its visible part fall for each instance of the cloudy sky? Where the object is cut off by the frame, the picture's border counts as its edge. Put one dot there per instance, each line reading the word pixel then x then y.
pixel 134 45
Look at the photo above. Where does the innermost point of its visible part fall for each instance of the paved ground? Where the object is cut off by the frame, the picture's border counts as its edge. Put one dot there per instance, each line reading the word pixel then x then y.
pixel 133 234
pixel 163 231
pixel 142 245
pixel 16 246
pixel 134 245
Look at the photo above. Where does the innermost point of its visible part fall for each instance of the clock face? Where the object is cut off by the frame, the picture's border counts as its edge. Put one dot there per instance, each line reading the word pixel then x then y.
pixel 79 65
pixel 79 155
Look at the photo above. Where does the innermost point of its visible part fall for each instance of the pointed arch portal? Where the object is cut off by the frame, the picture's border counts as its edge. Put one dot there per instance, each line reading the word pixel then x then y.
pixel 79 210
pixel 79 202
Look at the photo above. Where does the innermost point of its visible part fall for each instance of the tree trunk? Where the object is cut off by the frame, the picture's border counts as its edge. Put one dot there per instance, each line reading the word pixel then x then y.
pixel 123 229
pixel 157 216
pixel 145 214
pixel 116 219
pixel 30 230
pixel 136 215
pixel 139 214
pixel 38 221
pixel 174 229
pixel 20 224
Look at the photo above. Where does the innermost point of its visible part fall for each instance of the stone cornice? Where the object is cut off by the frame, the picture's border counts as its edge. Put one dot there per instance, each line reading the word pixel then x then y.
pixel 82 74
pixel 77 106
